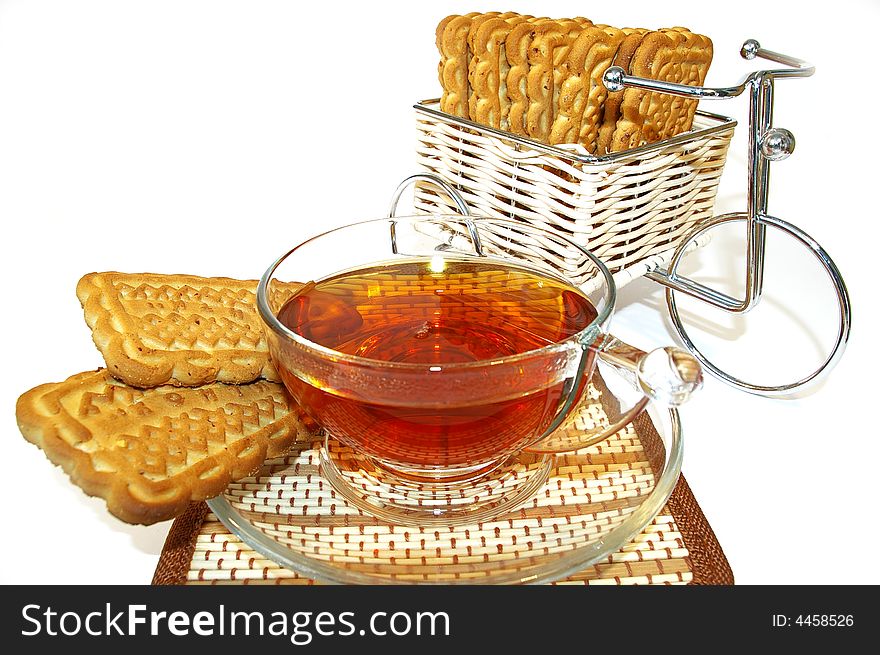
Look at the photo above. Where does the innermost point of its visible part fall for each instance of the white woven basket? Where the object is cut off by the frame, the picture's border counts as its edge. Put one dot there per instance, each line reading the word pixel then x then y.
pixel 630 208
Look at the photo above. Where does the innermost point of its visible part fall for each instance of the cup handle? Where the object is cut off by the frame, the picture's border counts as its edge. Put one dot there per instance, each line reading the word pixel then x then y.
pixel 668 376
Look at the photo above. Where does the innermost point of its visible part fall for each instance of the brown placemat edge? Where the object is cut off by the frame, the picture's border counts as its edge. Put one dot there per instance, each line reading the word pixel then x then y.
pixel 708 562
pixel 180 544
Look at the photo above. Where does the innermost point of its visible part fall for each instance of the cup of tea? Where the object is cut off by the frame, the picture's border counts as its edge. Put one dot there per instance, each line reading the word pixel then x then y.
pixel 441 353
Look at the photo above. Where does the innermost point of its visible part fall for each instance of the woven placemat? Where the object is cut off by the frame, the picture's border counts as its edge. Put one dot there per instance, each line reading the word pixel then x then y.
pixel 678 547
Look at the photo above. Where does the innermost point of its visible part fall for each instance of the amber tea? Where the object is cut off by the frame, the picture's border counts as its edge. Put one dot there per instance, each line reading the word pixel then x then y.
pixel 436 313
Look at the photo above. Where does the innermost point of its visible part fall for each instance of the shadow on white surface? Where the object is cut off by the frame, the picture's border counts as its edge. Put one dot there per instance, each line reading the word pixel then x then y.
pixel 147 539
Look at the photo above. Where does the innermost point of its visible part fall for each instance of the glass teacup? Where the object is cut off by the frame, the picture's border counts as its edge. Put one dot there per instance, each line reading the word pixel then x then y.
pixel 444 354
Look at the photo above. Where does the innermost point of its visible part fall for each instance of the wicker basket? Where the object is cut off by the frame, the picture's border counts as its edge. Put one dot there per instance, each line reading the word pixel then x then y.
pixel 630 208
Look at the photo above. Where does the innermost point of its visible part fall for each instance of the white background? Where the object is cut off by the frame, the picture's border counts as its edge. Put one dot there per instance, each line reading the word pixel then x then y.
pixel 206 136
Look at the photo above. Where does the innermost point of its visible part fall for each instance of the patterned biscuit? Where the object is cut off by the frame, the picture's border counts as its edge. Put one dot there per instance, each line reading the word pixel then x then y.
pixel 516 48
pixel 149 453
pixel 611 111
pixel 642 112
pixel 177 329
pixel 693 72
pixel 441 65
pixel 487 74
pixel 548 51
pixel 452 42
pixel 672 55
pixel 582 93
pixel 476 23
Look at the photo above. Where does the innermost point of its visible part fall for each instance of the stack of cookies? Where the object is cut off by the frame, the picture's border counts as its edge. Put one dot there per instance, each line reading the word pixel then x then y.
pixel 541 78
pixel 189 400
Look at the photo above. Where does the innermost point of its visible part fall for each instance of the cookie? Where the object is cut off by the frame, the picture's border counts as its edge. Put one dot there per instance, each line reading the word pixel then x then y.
pixel 452 42
pixel 692 72
pixel 150 452
pixel 611 111
pixel 182 330
pixel 546 54
pixel 671 55
pixel 488 69
pixel 516 49
pixel 582 94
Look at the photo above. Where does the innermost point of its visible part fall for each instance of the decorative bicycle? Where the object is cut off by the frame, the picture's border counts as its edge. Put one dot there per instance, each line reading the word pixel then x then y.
pixel 766 144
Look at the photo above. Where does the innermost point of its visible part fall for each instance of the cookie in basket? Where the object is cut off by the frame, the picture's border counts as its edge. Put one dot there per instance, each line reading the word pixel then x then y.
pixel 452 42
pixel 516 47
pixel 488 69
pixel 693 72
pixel 671 55
pixel 611 111
pixel 547 52
pixel 582 93
pixel 150 452
pixel 182 330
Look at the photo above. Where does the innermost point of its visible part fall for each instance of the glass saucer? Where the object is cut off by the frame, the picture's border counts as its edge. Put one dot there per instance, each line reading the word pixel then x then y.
pixel 594 501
